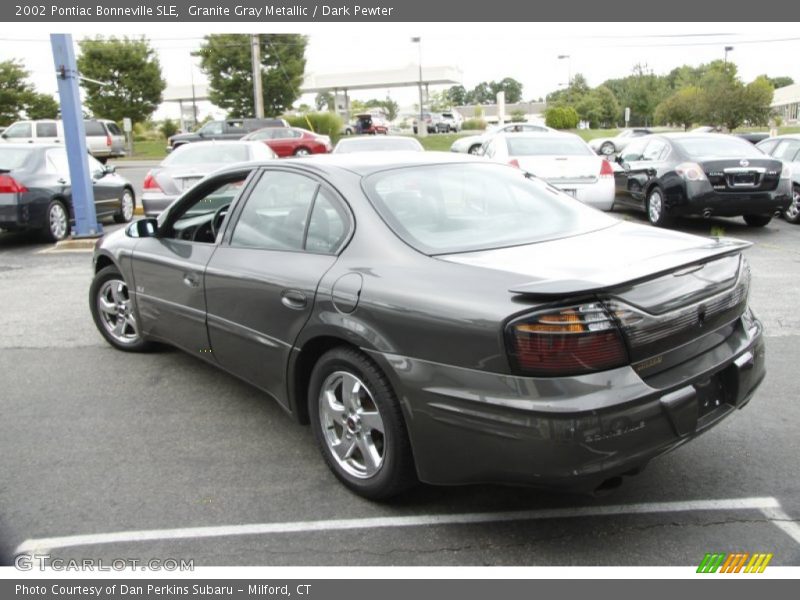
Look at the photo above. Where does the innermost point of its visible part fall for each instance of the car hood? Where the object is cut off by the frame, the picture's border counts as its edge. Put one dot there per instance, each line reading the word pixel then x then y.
pixel 598 260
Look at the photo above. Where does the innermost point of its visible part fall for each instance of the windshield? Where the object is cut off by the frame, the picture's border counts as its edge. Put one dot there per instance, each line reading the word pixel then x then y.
pixel 375 145
pixel 547 146
pixel 13 158
pixel 441 209
pixel 201 153
pixel 720 147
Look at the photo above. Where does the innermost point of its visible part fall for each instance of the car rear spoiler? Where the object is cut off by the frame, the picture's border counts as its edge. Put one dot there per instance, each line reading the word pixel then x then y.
pixel 632 273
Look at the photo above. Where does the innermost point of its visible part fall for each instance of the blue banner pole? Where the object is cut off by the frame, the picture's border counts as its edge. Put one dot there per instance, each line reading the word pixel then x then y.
pixel 86 224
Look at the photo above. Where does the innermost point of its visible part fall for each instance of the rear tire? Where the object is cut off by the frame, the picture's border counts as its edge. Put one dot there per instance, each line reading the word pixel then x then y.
pixel 655 208
pixel 358 425
pixel 57 225
pixel 792 214
pixel 757 220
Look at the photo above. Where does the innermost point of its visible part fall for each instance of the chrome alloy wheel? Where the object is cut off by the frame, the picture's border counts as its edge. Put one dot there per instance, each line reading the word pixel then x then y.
pixel 115 310
pixel 351 424
pixel 655 205
pixel 126 207
pixel 58 221
pixel 793 212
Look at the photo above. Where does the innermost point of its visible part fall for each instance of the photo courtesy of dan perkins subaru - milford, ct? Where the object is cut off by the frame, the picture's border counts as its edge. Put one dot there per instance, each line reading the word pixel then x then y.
pixel 439 318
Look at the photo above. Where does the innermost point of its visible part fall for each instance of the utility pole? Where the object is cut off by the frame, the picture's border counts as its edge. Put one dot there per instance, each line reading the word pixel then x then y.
pixel 67 76
pixel 422 127
pixel 258 93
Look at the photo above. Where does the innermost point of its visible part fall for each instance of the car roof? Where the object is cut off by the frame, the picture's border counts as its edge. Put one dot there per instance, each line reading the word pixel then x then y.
pixel 31 146
pixel 699 135
pixel 537 134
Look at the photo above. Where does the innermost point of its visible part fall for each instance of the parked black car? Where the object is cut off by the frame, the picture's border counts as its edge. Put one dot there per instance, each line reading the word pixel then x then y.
pixel 701 174
pixel 228 129
pixel 35 192
pixel 438 317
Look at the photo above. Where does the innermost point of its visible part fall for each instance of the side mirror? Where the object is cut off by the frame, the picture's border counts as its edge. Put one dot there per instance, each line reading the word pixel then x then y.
pixel 108 169
pixel 618 159
pixel 143 228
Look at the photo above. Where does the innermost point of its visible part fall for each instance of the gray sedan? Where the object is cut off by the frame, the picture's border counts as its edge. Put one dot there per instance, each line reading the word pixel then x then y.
pixel 189 163
pixel 439 318
pixel 787 149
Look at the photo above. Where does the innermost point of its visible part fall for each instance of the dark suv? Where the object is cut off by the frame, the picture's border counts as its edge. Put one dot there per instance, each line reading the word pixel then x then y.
pixel 229 129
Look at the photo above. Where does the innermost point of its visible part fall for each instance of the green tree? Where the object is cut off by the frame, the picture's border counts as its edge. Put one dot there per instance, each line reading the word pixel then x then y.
pixel 599 107
pixel 682 108
pixel 41 106
pixel 758 97
pixel 779 82
pixel 168 128
pixel 325 101
pixel 225 59
pixel 132 72
pixel 511 87
pixel 482 93
pixel 561 117
pixel 723 100
pixel 458 95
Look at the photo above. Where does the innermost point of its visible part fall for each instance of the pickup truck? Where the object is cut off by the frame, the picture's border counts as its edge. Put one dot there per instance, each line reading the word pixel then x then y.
pixel 228 129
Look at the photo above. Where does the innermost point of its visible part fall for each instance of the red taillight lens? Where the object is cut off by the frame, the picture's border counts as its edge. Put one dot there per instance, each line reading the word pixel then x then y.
pixel 605 169
pixel 566 341
pixel 9 185
pixel 151 184
pixel 514 163
pixel 108 141
pixel 690 171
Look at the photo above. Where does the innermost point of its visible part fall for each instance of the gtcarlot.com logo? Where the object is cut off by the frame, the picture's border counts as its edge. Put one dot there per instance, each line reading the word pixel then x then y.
pixel 738 562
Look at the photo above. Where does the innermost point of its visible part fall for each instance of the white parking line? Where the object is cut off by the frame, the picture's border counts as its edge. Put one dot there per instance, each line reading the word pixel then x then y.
pixel 40 545
pixel 783 522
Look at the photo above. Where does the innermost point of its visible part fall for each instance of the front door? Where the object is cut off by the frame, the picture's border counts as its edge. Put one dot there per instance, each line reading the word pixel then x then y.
pixel 261 283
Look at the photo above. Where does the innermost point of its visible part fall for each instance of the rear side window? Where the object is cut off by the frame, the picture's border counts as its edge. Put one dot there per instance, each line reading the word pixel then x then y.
pixel 19 130
pixel 46 130
pixel 547 146
pixel 94 128
pixel 113 129
pixel 787 150
pixel 13 158
pixel 442 209
pixel 656 150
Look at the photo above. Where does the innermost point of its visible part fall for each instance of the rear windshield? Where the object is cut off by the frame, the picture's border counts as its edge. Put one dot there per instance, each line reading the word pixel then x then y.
pixel 721 147
pixel 547 146
pixel 375 145
pixel 441 209
pixel 202 153
pixel 13 158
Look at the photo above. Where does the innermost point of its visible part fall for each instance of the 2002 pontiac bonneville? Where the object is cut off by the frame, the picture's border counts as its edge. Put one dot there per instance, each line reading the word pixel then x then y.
pixel 443 319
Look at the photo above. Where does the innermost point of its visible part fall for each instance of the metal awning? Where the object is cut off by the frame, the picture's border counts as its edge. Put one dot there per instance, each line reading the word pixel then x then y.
pixel 387 78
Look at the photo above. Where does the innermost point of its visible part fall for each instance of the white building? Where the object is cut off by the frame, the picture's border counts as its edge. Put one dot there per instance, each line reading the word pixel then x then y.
pixel 786 103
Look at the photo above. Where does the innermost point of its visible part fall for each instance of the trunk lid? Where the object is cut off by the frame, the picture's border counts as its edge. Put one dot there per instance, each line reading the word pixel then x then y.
pixel 742 175
pixel 562 169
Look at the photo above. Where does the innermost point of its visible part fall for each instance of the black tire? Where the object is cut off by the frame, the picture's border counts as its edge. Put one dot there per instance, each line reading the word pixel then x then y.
pixel 302 152
pixel 104 276
pixel 792 214
pixel 396 472
pixel 757 220
pixel 607 149
pixel 655 209
pixel 127 206
pixel 474 149
pixel 56 227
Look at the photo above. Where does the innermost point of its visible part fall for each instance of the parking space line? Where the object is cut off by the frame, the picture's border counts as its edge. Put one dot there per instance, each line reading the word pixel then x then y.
pixel 783 521
pixel 40 545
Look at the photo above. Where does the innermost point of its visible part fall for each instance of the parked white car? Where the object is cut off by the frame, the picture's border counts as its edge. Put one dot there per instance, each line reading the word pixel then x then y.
pixel 471 144
pixel 564 160
pixel 787 149
pixel 611 145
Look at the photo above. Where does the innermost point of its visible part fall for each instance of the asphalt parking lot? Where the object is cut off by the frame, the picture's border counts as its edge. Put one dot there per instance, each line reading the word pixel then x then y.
pixel 111 455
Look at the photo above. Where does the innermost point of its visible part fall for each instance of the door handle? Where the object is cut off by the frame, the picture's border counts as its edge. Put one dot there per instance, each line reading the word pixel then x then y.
pixel 191 280
pixel 293 299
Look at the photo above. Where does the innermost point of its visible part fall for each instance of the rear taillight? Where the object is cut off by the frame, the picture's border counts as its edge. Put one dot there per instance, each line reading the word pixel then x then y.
pixel 605 169
pixel 690 171
pixel 514 163
pixel 151 184
pixel 570 340
pixel 108 141
pixel 9 185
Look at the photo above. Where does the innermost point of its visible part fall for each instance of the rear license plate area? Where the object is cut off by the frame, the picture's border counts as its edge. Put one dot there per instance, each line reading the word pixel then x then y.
pixel 715 396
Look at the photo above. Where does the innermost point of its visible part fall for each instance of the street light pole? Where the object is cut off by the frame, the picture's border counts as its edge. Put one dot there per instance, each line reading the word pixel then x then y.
pixel 258 94
pixel 422 129
pixel 727 49
pixel 569 67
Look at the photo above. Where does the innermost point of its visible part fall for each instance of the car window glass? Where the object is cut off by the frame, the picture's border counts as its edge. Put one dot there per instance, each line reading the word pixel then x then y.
pixel 235 126
pixel 276 213
pixel 57 162
pixel 547 146
pixel 655 150
pixel 328 225
pixel 95 167
pixel 634 150
pixel 13 158
pixel 19 130
pixel 207 152
pixel 263 134
pixel 787 150
pixel 46 130
pixel 767 146
pixel 722 146
pixel 94 128
pixel 490 149
pixel 194 220
pixel 113 129
pixel 212 128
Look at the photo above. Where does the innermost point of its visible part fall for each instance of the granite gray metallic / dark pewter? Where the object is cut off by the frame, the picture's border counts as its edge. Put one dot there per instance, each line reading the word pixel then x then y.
pixel 437 318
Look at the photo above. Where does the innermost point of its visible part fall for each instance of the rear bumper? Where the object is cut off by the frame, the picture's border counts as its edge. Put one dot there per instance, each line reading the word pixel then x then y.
pixel 701 199
pixel 154 204
pixel 469 426
pixel 599 194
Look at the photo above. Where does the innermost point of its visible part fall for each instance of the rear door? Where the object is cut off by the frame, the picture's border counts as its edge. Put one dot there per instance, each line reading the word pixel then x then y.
pixel 233 130
pixel 635 170
pixel 262 281
pixel 19 132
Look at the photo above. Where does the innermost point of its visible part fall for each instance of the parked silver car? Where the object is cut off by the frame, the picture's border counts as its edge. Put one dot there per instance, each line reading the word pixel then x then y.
pixel 471 144
pixel 612 145
pixel 787 149
pixel 189 163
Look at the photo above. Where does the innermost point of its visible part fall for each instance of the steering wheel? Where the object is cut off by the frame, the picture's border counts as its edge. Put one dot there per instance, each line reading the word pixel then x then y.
pixel 218 219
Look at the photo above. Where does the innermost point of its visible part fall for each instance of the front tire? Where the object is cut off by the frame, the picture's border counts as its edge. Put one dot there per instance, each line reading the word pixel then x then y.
pixel 757 220
pixel 475 150
pixel 302 152
pixel 112 311
pixel 792 214
pixel 358 425
pixel 57 226
pixel 656 211
pixel 127 204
